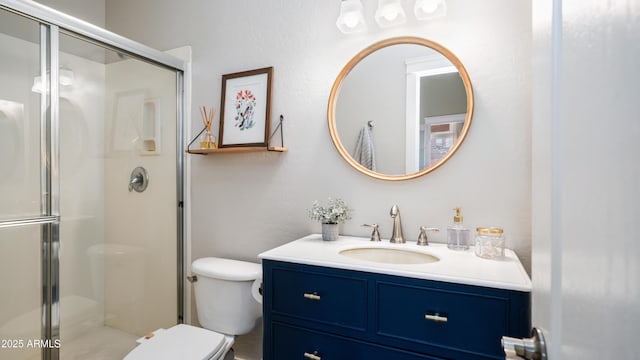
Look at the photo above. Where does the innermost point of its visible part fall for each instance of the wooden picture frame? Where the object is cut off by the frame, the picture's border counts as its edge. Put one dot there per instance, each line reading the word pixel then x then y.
pixel 245 109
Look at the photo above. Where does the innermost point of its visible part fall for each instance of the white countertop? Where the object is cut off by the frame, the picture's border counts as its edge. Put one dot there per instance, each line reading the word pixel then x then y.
pixel 462 267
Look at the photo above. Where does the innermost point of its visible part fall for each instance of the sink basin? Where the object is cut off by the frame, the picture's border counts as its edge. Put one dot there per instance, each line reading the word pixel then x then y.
pixel 389 255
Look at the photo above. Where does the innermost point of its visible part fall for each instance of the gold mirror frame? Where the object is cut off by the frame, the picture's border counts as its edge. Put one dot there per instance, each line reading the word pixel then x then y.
pixel 335 90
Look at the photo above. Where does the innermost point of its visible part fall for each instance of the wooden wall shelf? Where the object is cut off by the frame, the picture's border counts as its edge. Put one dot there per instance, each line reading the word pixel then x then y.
pixel 237 150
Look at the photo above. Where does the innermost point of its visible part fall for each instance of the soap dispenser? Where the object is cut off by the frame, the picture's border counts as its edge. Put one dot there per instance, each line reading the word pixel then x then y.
pixel 458 236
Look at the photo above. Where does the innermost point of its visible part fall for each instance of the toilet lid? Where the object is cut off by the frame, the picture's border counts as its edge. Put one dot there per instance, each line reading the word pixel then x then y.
pixel 227 269
pixel 179 342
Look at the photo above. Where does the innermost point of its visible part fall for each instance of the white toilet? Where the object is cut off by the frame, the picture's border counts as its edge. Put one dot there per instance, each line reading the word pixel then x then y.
pixel 228 304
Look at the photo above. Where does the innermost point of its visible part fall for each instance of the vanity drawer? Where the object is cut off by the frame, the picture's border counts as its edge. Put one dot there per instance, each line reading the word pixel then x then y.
pixel 443 318
pixel 290 342
pixel 317 297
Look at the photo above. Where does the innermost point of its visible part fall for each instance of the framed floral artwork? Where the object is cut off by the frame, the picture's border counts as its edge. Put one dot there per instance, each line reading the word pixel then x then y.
pixel 245 109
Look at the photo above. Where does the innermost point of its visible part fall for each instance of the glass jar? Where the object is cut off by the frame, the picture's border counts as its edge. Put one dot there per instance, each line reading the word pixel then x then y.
pixel 490 242
pixel 207 140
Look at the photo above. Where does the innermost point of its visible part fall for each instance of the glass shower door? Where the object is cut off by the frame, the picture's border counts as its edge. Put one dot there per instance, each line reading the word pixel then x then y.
pixel 89 253
pixel 119 247
pixel 22 204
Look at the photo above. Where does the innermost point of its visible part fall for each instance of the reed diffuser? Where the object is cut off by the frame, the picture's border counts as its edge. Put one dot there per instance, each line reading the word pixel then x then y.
pixel 207 141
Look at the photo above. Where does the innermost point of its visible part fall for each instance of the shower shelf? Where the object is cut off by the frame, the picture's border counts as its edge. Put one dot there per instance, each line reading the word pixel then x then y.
pixel 237 149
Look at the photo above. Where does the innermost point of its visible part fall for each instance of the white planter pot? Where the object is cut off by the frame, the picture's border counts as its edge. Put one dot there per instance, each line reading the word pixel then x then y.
pixel 329 232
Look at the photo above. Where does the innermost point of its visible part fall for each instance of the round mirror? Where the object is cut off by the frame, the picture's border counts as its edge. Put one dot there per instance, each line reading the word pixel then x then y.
pixel 400 108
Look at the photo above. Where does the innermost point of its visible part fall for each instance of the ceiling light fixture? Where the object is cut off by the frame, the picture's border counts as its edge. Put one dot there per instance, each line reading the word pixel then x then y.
pixel 351 17
pixel 389 13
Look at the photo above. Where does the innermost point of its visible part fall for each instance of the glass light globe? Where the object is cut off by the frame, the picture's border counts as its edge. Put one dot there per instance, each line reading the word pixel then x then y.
pixel 350 20
pixel 351 17
pixel 429 6
pixel 390 13
pixel 430 9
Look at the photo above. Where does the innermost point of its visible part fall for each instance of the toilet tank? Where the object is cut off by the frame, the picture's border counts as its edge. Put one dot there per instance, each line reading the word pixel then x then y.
pixel 224 298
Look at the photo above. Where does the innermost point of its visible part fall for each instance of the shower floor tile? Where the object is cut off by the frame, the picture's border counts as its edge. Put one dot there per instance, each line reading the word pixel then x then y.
pixel 100 343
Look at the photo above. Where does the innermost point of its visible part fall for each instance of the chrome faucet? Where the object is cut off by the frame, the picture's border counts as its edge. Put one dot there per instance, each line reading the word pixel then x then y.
pixel 396 235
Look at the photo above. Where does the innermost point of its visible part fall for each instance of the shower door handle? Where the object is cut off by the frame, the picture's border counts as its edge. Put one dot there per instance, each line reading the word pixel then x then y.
pixel 139 179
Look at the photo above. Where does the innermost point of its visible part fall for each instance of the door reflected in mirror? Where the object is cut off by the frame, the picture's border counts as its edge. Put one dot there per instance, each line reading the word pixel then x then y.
pixel 400 108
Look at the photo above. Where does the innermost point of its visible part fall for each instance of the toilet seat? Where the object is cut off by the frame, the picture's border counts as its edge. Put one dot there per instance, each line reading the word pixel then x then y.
pixel 180 342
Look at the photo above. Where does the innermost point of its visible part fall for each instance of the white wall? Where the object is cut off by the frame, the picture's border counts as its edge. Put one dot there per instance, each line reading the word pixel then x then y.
pixel 246 203
pixel 92 11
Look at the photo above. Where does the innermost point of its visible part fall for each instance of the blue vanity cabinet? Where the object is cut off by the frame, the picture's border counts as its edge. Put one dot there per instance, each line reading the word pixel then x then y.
pixel 315 312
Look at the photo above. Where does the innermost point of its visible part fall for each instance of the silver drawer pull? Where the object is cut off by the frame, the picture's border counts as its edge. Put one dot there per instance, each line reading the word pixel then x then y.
pixel 436 318
pixel 313 356
pixel 313 296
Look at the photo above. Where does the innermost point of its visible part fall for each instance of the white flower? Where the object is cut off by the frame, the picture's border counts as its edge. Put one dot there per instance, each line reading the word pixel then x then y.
pixel 337 211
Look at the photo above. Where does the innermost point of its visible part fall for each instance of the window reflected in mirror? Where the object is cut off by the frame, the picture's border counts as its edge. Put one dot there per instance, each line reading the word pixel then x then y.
pixel 437 139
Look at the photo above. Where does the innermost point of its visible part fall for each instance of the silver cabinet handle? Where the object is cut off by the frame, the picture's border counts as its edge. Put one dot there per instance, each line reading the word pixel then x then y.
pixel 436 318
pixel 313 356
pixel 313 296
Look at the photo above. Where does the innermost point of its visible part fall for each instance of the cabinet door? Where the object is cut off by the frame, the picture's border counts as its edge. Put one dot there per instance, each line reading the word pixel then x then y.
pixel 318 297
pixel 472 323
pixel 290 342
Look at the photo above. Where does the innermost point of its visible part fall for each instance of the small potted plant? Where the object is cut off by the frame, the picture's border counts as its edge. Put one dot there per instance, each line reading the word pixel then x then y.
pixel 336 212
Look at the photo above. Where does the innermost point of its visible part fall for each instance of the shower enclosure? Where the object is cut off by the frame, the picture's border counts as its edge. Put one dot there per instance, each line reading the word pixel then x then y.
pixel 89 260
